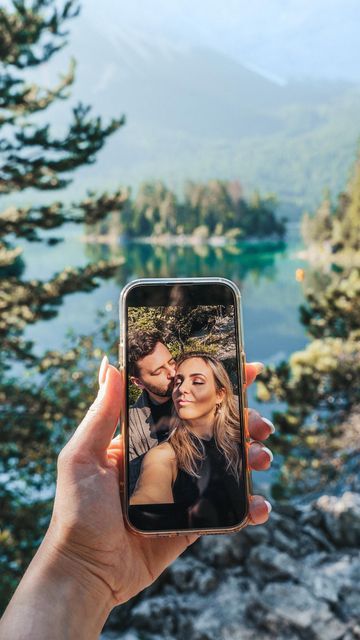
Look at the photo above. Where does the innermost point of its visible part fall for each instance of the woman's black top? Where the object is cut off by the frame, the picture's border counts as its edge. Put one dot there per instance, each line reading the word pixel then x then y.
pixel 214 499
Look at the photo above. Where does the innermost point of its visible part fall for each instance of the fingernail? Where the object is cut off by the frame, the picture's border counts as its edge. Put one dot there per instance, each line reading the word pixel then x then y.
pixel 102 371
pixel 269 453
pixel 102 388
pixel 269 423
pixel 268 505
pixel 259 366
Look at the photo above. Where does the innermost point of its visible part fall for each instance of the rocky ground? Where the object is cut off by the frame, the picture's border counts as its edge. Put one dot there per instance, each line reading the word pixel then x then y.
pixel 298 576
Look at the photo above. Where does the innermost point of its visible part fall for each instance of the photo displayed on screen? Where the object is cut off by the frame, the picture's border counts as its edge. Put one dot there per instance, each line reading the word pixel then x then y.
pixel 185 449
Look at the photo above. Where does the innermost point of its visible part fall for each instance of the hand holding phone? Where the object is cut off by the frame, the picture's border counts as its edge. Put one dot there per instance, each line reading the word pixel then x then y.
pixel 89 561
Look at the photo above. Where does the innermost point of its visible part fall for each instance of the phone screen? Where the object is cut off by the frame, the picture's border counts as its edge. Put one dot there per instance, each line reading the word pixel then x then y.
pixel 185 449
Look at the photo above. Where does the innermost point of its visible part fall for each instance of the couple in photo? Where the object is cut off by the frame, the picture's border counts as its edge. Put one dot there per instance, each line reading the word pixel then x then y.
pixel 184 430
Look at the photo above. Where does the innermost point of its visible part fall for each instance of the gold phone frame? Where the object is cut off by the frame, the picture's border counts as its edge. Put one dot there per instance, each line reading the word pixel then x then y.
pixel 241 361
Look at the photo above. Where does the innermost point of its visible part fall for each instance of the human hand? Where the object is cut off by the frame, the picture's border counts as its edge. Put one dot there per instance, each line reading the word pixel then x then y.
pixel 87 527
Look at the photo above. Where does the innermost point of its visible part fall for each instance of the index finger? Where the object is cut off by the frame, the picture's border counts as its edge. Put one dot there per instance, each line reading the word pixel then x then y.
pixel 252 369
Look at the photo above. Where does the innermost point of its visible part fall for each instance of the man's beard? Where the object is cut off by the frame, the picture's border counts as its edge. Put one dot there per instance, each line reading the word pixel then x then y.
pixel 162 393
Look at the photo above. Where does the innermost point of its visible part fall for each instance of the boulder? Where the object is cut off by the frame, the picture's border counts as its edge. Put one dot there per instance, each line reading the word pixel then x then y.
pixel 341 518
pixel 285 605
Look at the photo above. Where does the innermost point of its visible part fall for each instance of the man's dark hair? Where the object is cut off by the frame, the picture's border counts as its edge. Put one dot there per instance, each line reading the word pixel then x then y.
pixel 141 344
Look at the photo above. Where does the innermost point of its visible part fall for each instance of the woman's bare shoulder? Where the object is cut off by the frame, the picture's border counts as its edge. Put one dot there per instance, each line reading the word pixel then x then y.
pixel 161 453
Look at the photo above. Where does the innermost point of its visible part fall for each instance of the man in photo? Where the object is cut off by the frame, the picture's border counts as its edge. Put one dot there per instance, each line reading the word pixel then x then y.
pixel 151 369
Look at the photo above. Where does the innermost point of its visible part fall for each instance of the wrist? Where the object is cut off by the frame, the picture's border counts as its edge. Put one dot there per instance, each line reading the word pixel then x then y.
pixel 61 562
pixel 58 597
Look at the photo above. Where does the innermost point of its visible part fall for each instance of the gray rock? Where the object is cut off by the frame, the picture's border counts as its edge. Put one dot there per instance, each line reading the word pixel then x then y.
pixel 350 604
pixel 284 542
pixel 319 536
pixel 156 614
pixel 255 535
pixel 288 509
pixel 310 516
pixel 232 597
pixel 290 527
pixel 271 564
pixel 328 629
pixel 206 626
pixel 314 559
pixel 243 632
pixel 221 551
pixel 341 518
pixel 285 605
pixel 188 574
pixel 348 573
pixel 319 584
pixel 207 581
pixel 355 630
pixel 118 635
pixel 308 544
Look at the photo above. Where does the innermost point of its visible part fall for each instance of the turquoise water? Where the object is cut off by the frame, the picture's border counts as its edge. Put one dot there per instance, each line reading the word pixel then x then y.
pixel 266 277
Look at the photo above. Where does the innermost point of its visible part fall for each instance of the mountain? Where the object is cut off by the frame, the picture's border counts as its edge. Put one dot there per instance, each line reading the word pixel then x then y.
pixel 194 113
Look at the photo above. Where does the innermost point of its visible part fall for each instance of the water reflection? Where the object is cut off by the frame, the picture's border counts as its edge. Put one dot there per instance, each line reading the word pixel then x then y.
pixel 154 261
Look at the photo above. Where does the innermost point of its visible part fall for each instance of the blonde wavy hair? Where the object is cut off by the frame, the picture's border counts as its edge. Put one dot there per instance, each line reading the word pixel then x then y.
pixel 188 447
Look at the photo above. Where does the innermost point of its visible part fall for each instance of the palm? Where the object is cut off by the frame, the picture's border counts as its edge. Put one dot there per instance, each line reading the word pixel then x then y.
pixel 92 520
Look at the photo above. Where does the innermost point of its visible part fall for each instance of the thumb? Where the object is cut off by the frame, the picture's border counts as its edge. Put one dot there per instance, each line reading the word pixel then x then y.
pixel 97 428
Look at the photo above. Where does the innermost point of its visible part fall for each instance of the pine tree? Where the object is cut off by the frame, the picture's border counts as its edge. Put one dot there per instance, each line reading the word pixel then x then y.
pixel 40 402
pixel 320 383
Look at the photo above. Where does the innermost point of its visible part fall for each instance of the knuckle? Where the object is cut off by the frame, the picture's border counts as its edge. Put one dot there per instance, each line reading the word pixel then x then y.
pixel 94 409
pixel 63 457
pixel 99 409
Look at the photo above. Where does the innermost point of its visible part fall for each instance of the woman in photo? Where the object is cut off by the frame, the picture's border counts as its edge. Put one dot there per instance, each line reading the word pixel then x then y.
pixel 198 467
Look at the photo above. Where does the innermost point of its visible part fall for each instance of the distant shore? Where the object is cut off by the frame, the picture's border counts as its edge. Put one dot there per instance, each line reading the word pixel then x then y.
pixel 181 240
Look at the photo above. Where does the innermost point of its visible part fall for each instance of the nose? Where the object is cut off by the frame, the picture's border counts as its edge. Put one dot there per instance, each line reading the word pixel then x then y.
pixel 183 388
pixel 170 372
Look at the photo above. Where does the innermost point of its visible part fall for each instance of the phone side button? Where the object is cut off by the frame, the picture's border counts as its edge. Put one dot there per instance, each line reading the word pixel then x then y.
pixel 121 355
pixel 243 368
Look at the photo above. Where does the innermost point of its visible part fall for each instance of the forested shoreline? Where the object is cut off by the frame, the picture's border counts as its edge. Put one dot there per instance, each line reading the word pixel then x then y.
pixel 216 209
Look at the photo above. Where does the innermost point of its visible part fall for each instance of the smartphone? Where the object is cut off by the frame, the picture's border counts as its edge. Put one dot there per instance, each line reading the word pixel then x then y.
pixel 183 416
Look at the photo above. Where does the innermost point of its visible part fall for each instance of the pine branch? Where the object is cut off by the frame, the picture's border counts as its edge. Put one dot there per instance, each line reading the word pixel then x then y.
pixel 26 302
pixel 22 31
pixel 85 137
pixel 30 98
pixel 26 222
pixel 8 254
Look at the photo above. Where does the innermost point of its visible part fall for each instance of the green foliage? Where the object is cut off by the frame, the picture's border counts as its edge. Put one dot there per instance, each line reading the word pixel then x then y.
pixel 178 326
pixel 203 328
pixel 320 383
pixel 333 310
pixel 216 208
pixel 40 403
pixel 338 226
pixel 33 31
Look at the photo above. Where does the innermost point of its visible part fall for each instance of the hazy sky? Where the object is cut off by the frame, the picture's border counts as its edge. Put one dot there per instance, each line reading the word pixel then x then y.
pixel 285 38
